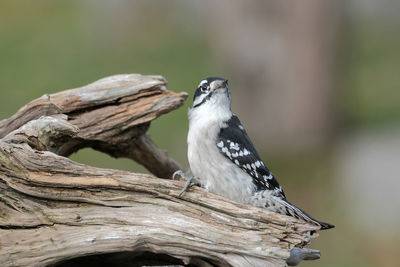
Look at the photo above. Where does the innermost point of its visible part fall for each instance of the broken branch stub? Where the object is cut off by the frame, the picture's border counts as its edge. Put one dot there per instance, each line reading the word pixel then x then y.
pixel 112 115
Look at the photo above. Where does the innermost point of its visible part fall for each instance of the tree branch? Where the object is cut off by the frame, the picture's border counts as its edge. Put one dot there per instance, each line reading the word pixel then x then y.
pixel 53 209
pixel 112 115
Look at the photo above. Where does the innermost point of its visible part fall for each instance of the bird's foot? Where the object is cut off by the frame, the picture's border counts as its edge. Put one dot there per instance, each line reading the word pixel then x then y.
pixel 189 183
pixel 191 180
pixel 180 173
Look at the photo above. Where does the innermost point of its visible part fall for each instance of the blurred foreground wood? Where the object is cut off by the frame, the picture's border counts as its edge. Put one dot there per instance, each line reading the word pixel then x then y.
pixel 53 209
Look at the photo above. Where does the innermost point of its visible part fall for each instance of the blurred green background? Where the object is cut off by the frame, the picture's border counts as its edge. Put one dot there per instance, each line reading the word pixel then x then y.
pixel 315 83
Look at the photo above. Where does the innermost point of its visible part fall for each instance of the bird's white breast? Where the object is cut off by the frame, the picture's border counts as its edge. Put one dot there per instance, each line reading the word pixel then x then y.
pixel 216 172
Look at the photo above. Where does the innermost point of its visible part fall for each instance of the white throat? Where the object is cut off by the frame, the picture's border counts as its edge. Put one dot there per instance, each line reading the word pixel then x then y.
pixel 215 110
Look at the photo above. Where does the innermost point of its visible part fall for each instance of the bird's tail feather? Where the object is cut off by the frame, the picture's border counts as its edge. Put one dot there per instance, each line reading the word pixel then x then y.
pixel 292 210
pixel 325 225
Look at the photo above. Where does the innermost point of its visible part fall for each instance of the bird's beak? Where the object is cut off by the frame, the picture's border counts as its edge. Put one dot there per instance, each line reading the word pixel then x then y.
pixel 225 83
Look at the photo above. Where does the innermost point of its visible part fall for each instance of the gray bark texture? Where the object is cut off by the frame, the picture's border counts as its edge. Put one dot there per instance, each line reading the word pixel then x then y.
pixel 54 210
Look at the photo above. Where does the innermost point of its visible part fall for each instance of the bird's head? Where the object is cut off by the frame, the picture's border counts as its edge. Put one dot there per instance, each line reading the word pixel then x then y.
pixel 212 91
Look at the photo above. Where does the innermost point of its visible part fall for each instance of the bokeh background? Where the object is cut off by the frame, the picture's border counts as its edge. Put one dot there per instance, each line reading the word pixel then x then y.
pixel 316 83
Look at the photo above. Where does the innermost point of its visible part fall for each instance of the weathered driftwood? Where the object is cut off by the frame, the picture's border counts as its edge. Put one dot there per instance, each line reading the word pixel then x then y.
pixel 53 209
pixel 112 115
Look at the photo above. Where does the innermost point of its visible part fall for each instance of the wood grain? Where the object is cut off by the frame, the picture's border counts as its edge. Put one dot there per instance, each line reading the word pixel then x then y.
pixel 112 115
pixel 53 209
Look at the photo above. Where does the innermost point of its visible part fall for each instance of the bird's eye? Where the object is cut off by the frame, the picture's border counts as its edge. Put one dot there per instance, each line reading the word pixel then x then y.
pixel 204 88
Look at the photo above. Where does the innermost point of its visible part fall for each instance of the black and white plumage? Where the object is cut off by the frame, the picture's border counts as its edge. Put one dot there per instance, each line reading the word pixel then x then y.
pixel 223 158
pixel 236 145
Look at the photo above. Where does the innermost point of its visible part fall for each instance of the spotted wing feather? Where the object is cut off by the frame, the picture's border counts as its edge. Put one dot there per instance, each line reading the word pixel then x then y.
pixel 234 143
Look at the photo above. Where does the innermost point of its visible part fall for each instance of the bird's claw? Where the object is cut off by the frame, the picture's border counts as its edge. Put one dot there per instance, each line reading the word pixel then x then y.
pixel 189 183
pixel 189 177
pixel 178 172
pixel 184 174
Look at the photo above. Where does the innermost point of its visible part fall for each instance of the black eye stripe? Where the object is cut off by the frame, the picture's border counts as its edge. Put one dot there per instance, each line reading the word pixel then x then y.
pixel 204 88
pixel 201 89
pixel 204 100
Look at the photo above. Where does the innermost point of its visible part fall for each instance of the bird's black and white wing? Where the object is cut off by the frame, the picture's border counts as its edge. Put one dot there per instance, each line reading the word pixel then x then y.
pixel 234 143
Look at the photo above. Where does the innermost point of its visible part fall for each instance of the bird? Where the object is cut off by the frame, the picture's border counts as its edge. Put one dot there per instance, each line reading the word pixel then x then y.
pixel 223 159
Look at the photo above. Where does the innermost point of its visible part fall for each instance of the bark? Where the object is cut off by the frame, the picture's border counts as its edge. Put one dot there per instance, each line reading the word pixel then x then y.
pixel 53 209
